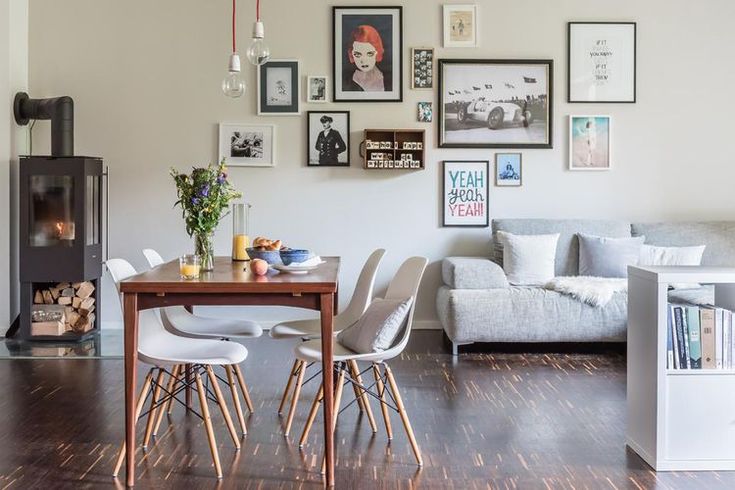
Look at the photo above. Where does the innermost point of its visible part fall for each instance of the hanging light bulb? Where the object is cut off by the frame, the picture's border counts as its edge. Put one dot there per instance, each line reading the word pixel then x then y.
pixel 258 52
pixel 233 84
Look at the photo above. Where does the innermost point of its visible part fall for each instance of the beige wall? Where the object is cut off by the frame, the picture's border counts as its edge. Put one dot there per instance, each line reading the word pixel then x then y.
pixel 145 77
pixel 13 78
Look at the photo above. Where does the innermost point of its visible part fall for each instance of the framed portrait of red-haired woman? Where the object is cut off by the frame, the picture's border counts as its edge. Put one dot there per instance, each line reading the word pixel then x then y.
pixel 367 47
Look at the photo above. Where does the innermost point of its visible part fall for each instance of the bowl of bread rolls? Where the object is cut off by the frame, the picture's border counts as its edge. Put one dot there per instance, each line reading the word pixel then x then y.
pixel 266 249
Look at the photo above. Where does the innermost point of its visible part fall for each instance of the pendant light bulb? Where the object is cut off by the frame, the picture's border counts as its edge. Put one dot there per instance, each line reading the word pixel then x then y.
pixel 258 53
pixel 233 84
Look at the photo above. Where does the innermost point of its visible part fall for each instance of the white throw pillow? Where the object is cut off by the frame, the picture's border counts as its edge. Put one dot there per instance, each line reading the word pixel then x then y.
pixel 652 255
pixel 528 260
pixel 378 327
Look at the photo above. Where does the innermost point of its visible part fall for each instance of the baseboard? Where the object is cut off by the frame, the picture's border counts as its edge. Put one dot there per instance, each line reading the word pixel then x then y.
pixel 267 325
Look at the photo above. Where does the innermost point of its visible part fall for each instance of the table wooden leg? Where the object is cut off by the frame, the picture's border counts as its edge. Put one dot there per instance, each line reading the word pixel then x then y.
pixel 188 373
pixel 327 319
pixel 130 308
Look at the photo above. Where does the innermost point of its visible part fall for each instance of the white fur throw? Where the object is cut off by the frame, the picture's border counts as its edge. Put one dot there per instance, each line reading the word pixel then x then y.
pixel 595 291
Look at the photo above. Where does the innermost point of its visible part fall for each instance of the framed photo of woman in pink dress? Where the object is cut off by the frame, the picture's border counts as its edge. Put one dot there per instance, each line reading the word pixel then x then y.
pixel 367 47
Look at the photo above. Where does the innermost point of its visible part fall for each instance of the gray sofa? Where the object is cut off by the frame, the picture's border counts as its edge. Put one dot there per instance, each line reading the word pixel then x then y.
pixel 476 303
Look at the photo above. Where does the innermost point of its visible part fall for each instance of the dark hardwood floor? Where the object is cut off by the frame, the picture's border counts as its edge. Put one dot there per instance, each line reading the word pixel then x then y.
pixel 506 421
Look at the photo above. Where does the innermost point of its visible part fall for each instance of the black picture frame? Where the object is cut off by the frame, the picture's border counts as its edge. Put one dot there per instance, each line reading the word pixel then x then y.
pixel 487 195
pixel 310 143
pixel 293 108
pixel 569 63
pixel 549 109
pixel 396 53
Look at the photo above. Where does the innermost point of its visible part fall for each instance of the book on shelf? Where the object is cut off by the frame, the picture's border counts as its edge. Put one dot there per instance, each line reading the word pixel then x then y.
pixel 699 337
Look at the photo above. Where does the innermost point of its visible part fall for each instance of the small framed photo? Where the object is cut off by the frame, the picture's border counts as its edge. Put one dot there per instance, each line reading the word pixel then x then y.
pixel 460 26
pixel 508 170
pixel 425 112
pixel 328 134
pixel 316 89
pixel 367 45
pixel 589 142
pixel 243 145
pixel 278 88
pixel 422 68
pixel 465 193
pixel 602 62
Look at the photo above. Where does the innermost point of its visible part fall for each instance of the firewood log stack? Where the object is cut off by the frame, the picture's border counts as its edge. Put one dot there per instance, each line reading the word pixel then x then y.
pixel 78 309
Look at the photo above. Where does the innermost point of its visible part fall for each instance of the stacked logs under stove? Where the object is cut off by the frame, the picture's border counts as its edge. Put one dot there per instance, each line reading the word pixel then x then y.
pixel 63 307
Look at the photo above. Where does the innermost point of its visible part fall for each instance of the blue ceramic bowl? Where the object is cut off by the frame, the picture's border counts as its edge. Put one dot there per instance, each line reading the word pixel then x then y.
pixel 290 256
pixel 270 256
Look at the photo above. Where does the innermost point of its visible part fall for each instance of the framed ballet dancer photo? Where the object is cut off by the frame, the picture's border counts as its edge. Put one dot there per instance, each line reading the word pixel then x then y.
pixel 589 142
pixel 367 54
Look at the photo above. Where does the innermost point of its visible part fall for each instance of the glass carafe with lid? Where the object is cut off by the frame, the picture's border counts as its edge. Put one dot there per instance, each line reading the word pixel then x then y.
pixel 240 231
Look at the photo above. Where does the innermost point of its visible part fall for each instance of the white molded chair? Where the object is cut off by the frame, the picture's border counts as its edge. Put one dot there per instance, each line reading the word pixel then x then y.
pixel 311 329
pixel 179 321
pixel 405 284
pixel 167 354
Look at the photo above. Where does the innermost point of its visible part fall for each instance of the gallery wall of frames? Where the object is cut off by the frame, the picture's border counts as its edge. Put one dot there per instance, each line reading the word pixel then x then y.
pixel 498 104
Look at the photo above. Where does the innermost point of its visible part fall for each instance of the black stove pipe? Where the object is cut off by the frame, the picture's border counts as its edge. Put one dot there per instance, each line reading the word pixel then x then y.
pixel 60 110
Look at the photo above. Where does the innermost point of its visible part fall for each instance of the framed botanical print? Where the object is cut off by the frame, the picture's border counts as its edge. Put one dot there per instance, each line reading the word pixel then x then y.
pixel 508 169
pixel 602 62
pixel 245 145
pixel 460 26
pixel 278 88
pixel 589 142
pixel 422 68
pixel 495 103
pixel 328 136
pixel 367 54
pixel 465 193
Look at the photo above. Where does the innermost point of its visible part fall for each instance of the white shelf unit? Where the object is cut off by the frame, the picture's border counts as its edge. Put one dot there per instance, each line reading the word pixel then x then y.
pixel 678 420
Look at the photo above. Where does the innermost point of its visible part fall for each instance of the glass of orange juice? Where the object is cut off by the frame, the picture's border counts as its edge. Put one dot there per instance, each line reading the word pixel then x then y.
pixel 189 267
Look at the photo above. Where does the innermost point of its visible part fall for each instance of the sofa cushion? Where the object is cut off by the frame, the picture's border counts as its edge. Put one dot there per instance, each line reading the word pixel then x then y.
pixel 655 255
pixel 528 259
pixel 567 248
pixel 718 236
pixel 528 314
pixel 472 273
pixel 704 295
pixel 608 257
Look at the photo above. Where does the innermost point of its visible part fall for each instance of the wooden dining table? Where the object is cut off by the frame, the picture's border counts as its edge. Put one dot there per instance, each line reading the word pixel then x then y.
pixel 231 283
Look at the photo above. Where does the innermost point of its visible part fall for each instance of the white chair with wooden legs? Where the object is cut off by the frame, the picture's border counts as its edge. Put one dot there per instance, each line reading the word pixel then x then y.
pixel 179 321
pixel 167 353
pixel 311 329
pixel 405 284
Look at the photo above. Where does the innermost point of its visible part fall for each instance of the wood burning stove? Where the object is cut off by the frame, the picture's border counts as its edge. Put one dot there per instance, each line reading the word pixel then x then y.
pixel 61 227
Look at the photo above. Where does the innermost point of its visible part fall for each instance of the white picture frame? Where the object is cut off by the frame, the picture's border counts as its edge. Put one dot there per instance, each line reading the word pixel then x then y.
pixel 239 147
pixel 279 91
pixel 465 193
pixel 590 142
pixel 460 25
pixel 317 89
pixel 601 59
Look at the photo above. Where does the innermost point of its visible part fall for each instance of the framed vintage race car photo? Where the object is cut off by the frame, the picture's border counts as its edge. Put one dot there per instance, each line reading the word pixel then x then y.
pixel 495 103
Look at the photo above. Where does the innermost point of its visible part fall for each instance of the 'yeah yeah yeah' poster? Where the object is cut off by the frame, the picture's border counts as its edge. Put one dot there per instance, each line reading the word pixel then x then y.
pixel 466 193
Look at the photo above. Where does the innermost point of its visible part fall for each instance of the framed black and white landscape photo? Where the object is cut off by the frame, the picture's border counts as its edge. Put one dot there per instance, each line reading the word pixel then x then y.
pixel 367 54
pixel 465 193
pixel 495 103
pixel 602 62
pixel 278 88
pixel 243 145
pixel 328 136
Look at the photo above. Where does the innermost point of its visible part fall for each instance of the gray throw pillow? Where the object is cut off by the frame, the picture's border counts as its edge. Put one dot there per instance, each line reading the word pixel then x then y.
pixel 608 257
pixel 378 327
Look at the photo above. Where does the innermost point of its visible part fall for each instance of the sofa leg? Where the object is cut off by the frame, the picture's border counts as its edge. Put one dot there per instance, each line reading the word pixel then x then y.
pixel 455 349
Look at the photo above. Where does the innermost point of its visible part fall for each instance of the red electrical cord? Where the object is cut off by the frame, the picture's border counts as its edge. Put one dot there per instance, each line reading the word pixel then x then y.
pixel 233 27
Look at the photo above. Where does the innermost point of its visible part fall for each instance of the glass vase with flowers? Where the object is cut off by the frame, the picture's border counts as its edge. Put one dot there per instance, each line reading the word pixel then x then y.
pixel 204 197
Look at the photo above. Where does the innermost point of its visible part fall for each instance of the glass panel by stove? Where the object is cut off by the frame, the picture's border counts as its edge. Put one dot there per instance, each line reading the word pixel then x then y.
pixel 51 211
pixel 92 210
